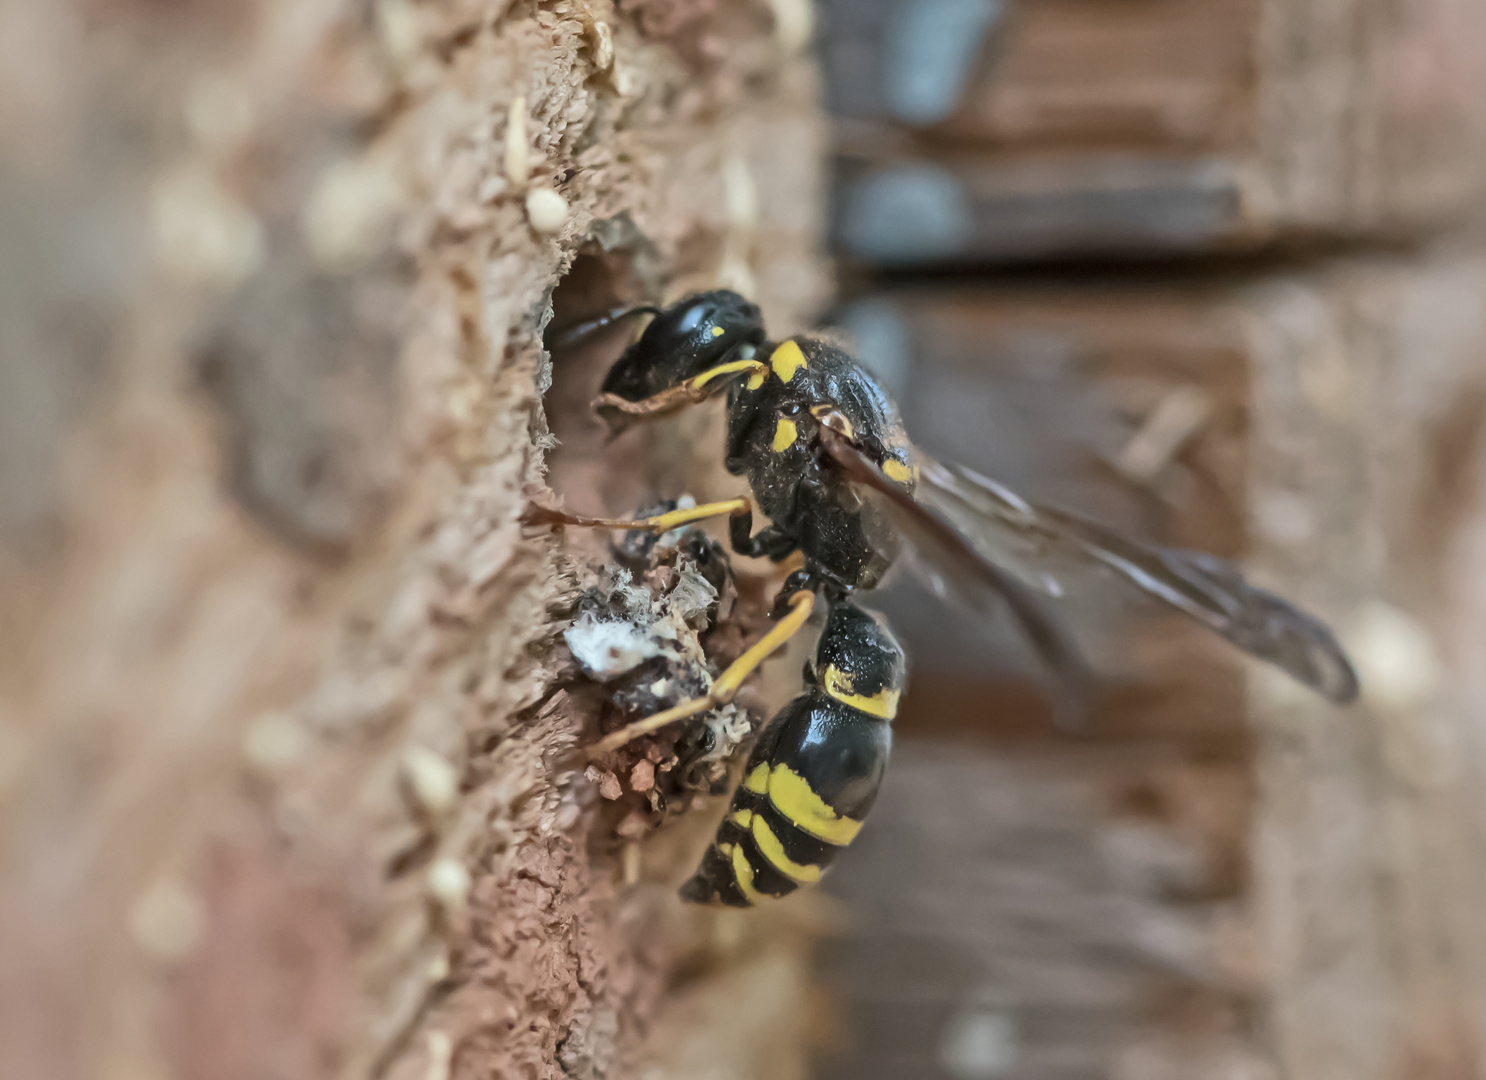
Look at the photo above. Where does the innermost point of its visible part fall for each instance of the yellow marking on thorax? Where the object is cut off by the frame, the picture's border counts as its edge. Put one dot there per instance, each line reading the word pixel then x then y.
pixel 758 378
pixel 717 331
pixel 787 360
pixel 899 473
pixel 793 797
pixel 742 818
pixel 773 850
pixel 758 780
pixel 742 872
pixel 840 685
pixel 784 436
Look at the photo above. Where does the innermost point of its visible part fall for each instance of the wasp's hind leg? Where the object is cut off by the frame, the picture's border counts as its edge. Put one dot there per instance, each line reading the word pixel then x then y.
pixel 800 606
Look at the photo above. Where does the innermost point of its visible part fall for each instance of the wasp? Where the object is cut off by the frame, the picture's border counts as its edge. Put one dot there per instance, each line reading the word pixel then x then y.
pixel 828 462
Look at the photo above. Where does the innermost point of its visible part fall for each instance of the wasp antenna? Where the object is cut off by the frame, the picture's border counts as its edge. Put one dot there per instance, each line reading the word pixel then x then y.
pixel 587 328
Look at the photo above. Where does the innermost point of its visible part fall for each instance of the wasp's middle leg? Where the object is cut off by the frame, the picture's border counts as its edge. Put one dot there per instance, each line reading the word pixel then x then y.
pixel 770 543
pixel 739 508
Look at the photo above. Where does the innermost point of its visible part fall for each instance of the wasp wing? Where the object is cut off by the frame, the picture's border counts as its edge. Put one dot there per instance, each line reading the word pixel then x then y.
pixel 1040 544
pixel 957 570
pixel 1040 547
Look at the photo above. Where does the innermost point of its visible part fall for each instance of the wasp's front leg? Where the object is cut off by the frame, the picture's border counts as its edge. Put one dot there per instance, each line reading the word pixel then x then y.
pixel 620 412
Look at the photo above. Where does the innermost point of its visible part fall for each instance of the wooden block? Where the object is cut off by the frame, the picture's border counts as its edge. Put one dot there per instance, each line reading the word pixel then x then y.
pixel 1212 882
pixel 980 131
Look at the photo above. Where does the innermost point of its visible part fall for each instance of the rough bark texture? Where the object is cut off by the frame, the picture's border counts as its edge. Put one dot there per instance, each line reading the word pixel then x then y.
pixel 280 758
pixel 1212 881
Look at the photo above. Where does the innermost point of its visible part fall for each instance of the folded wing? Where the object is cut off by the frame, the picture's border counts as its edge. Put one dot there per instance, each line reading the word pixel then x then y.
pixel 971 529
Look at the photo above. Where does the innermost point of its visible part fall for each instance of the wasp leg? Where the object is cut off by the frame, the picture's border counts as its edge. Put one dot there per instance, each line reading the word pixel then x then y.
pixel 770 543
pixel 620 412
pixel 727 684
pixel 543 515
pixel 578 331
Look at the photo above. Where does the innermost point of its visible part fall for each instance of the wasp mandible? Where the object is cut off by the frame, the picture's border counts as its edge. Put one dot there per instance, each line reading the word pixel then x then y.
pixel 828 462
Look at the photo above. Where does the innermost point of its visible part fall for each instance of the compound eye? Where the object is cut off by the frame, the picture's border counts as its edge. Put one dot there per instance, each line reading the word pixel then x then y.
pixel 692 317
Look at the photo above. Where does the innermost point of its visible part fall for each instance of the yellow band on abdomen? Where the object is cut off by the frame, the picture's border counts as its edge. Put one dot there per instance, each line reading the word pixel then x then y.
pixel 773 850
pixel 742 872
pixel 793 797
pixel 839 685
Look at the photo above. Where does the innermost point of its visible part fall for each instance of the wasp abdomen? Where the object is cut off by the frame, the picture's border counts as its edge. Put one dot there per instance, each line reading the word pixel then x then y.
pixel 803 798
pixel 814 775
pixel 804 795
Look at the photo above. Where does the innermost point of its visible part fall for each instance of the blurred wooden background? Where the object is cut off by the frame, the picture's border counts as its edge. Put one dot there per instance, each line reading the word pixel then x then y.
pixel 283 785
pixel 1210 270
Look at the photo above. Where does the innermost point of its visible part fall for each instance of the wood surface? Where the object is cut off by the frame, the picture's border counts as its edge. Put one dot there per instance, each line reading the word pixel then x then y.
pixel 282 785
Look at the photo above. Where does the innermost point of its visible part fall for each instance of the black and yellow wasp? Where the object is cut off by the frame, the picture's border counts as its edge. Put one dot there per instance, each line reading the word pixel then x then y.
pixel 828 461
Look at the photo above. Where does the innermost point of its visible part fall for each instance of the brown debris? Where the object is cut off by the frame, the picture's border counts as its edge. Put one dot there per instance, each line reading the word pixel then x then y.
pixel 642 776
pixel 607 782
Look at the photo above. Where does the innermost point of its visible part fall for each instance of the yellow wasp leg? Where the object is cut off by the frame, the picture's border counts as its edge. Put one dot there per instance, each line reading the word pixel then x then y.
pixel 620 412
pixel 727 684
pixel 542 515
pixel 730 368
